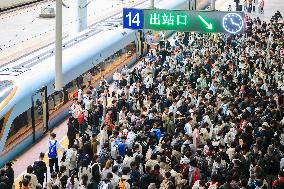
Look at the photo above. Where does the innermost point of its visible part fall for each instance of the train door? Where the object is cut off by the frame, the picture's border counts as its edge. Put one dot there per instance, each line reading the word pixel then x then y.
pixel 39 113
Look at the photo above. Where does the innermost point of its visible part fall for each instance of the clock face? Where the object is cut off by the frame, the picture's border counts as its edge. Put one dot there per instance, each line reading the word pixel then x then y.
pixel 233 23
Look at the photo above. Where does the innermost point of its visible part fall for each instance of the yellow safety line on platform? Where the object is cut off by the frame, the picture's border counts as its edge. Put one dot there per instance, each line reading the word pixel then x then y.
pixel 63 142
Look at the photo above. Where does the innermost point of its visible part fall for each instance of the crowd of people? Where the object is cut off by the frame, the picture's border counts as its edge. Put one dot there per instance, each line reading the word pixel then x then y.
pixel 205 111
pixel 249 6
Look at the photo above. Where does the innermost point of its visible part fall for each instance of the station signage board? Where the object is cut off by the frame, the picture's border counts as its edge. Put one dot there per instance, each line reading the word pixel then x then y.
pixel 180 20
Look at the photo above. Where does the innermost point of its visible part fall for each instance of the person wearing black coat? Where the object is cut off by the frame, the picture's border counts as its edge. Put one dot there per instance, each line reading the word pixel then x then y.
pixel 4 180
pixel 114 110
pixel 3 185
pixel 71 133
pixel 95 119
pixel 10 174
pixel 147 179
pixel 40 169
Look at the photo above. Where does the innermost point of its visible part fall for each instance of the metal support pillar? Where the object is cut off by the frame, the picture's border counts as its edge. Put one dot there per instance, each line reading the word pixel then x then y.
pixel 191 4
pixel 212 5
pixel 83 14
pixel 78 16
pixel 58 46
pixel 152 4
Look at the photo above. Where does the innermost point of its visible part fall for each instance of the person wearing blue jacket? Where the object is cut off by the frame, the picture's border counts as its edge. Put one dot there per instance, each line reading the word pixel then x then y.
pixel 157 132
pixel 122 146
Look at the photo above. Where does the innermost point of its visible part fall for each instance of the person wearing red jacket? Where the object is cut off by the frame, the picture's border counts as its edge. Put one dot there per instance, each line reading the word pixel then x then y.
pixel 279 183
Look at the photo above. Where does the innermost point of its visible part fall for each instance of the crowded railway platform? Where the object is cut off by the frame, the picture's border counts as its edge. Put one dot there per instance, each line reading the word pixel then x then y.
pixel 197 111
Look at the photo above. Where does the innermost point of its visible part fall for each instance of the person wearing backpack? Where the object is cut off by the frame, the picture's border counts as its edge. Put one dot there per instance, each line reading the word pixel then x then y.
pixel 71 158
pixel 53 146
pixel 279 183
pixel 40 169
pixel 124 182
pixel 106 183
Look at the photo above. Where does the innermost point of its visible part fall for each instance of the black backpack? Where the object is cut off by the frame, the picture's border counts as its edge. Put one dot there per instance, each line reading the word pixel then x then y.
pixel 38 169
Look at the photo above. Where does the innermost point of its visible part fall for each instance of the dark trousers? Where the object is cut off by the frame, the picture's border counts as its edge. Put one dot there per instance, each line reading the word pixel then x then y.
pixel 82 129
pixel 71 141
pixel 41 179
pixel 53 162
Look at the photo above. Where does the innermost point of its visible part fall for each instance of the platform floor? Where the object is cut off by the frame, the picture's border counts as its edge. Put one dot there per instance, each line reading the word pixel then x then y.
pixel 270 7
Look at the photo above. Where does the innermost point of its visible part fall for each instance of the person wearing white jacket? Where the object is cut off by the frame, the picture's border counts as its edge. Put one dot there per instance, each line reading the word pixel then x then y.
pixel 161 88
pixel 148 81
pixel 71 159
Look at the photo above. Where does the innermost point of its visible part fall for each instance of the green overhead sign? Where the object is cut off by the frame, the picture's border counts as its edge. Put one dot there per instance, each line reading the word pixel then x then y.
pixel 179 20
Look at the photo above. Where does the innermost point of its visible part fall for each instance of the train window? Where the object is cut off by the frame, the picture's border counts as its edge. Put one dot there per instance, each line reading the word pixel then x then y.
pixel 79 81
pixel 55 101
pixel 71 88
pixel 51 104
pixel 19 126
pixel 131 48
pixel 38 111
pixel 117 60
pixel 58 98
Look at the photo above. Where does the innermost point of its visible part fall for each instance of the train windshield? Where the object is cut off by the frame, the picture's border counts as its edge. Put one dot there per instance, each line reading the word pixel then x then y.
pixel 5 88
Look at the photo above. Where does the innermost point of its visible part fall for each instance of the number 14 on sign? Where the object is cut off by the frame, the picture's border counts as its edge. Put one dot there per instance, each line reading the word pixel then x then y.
pixel 133 18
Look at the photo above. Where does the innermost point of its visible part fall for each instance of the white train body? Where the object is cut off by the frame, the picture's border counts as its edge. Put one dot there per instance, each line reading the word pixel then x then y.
pixel 4 4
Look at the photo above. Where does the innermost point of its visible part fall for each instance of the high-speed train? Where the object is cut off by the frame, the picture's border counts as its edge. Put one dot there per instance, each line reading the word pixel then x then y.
pixel 29 106
pixel 8 4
